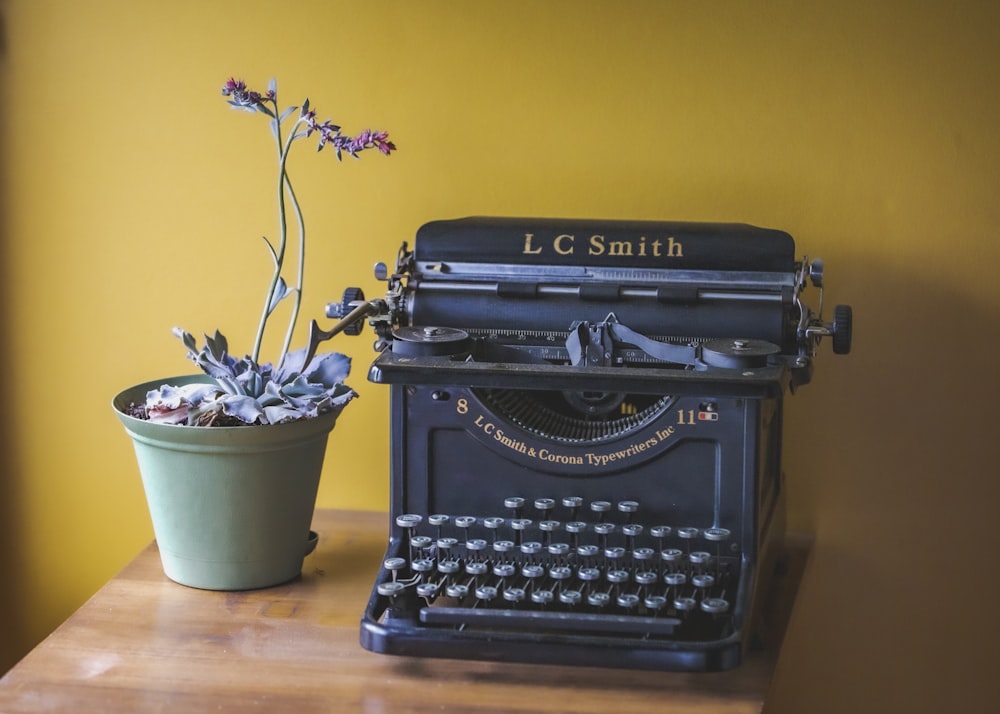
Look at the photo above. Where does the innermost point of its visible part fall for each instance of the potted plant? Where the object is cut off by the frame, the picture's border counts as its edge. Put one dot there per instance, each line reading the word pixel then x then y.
pixel 230 459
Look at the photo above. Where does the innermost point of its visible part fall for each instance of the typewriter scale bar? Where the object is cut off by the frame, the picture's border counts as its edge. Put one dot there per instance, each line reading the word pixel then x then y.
pixel 550 346
pixel 758 382
pixel 764 292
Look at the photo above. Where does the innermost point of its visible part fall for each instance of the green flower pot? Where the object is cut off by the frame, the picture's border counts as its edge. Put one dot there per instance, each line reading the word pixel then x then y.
pixel 231 506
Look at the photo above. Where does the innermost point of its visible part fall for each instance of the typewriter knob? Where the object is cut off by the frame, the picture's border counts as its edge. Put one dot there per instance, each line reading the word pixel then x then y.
pixel 429 341
pixel 738 353
pixel 842 328
pixel 350 299
pixel 816 273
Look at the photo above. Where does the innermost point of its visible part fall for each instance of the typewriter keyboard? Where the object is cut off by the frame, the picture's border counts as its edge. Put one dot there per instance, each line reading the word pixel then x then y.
pixel 563 565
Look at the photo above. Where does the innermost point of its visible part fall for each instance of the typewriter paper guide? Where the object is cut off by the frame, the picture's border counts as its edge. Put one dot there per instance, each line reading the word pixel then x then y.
pixel 586 438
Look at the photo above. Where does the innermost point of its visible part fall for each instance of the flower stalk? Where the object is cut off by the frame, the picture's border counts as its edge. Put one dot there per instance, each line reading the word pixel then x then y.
pixel 240 97
pixel 301 385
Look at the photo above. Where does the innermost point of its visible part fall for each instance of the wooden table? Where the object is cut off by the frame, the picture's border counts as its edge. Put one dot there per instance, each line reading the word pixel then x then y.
pixel 146 644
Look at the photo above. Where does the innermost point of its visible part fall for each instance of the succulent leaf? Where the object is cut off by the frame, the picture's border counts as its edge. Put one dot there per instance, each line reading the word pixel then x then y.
pixel 280 293
pixel 249 392
pixel 246 409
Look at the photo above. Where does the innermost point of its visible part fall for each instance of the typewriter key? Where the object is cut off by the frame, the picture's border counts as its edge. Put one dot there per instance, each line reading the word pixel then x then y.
pixel 514 595
pixel 628 508
pixel 601 508
pixel 422 565
pixel 409 520
pixel 428 591
pixel 684 604
pixel 675 579
pixel 588 574
pixel 448 567
pixel 486 593
pixel 628 601
pixel 394 564
pixel 699 557
pixel 614 554
pixel 717 534
pixel 587 551
pixel 391 589
pixel 573 503
pixel 438 520
pixel 475 545
pixel 493 523
pixel 542 597
pixel 503 546
pixel 643 554
pixel 532 572
pixel 545 505
pixel 655 602
pixel 631 531
pixel 476 568
pixel 457 591
pixel 559 549
pixel 660 533
pixel 531 547
pixel 603 530
pixel 570 597
pixel 703 581
pixel 446 544
pixel 714 605
pixel 671 555
pixel 504 570
pixel 548 528
pixel 575 528
pixel 519 525
pixel 617 576
pixel 646 577
pixel 515 503
pixel 421 542
pixel 687 533
pixel 465 522
pixel 560 572
pixel 598 599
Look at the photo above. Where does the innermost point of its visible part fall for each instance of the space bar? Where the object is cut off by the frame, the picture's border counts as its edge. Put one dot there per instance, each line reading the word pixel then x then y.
pixel 548 620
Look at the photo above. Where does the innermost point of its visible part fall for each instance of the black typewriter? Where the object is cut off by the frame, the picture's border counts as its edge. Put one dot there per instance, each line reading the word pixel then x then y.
pixel 586 436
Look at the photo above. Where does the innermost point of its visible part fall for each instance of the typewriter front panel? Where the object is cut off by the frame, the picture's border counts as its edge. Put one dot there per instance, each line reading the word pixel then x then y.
pixel 638 539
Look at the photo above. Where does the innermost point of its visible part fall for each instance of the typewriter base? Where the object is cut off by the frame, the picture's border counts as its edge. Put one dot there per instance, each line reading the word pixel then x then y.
pixel 576 651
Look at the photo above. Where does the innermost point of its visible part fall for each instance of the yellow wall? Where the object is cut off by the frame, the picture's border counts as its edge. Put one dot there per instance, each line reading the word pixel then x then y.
pixel 134 200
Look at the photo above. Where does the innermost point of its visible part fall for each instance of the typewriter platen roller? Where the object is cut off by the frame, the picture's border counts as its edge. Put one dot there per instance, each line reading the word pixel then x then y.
pixel 586 436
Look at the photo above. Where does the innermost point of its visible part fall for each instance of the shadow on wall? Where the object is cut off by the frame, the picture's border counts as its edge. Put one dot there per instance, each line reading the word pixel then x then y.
pixel 11 642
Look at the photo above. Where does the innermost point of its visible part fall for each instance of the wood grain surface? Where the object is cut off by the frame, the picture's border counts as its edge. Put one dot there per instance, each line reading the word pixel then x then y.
pixel 146 644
